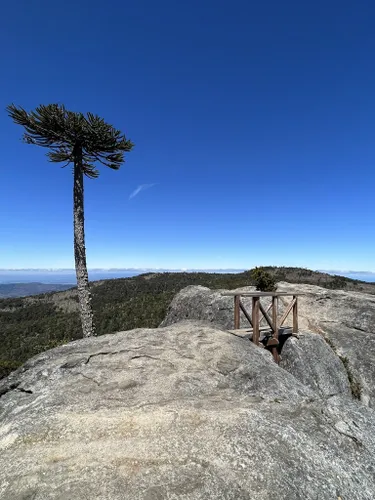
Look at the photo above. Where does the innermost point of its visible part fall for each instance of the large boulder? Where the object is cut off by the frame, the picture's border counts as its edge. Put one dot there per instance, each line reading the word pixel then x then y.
pixel 311 360
pixel 346 320
pixel 188 412
pixel 202 303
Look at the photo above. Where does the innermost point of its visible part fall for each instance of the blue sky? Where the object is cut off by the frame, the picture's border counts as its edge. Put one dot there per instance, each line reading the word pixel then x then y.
pixel 253 125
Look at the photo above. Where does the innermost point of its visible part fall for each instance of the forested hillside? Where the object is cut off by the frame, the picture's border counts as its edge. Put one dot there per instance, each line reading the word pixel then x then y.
pixel 30 325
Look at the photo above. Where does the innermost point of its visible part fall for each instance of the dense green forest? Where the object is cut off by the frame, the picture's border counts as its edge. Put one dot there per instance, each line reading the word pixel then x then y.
pixel 30 325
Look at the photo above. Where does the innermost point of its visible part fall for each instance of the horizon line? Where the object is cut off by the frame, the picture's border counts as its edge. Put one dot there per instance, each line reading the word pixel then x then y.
pixel 71 269
pixel 159 269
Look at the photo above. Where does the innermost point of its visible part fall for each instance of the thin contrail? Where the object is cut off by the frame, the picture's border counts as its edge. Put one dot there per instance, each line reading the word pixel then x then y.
pixel 140 188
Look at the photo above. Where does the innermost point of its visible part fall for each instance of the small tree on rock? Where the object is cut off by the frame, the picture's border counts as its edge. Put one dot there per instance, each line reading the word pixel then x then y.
pixel 83 141
pixel 263 280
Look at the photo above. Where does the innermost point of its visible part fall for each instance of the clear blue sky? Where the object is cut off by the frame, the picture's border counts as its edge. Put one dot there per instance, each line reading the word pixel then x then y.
pixel 254 121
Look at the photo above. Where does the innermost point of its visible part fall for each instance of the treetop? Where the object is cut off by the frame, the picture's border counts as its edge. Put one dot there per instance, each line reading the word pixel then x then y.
pixel 68 134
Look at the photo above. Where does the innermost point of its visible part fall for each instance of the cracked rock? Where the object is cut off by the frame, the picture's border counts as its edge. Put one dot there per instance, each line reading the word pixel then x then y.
pixel 185 412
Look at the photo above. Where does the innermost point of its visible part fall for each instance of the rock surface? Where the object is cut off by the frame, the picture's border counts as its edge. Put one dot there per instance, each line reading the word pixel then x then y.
pixel 202 303
pixel 188 411
pixel 345 319
pixel 310 359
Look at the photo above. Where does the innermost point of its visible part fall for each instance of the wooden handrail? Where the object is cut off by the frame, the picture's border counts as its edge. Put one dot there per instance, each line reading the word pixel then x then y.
pixel 255 318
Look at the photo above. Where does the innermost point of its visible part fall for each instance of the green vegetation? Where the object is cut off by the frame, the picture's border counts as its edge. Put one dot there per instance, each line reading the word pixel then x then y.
pixel 30 325
pixel 355 386
pixel 301 275
pixel 264 281
pixel 84 141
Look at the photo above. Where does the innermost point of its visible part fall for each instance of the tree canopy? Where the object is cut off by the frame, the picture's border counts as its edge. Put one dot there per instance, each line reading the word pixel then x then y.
pixel 63 131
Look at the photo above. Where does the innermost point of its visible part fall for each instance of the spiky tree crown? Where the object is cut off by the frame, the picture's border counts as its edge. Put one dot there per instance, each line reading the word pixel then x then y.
pixel 66 132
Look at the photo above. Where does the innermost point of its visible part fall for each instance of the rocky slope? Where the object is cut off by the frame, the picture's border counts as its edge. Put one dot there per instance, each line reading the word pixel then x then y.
pixel 189 411
pixel 345 319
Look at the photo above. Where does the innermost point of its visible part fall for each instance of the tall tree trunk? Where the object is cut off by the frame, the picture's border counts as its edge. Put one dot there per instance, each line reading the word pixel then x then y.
pixel 84 295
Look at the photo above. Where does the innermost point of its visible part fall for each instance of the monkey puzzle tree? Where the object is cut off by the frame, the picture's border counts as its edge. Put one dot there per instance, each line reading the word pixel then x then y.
pixel 83 141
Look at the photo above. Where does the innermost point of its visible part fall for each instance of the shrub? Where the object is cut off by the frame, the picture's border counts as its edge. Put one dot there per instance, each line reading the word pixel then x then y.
pixel 263 280
pixel 8 366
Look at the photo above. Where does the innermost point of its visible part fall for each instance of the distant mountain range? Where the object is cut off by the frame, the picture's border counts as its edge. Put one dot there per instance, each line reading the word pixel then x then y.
pixel 23 282
pixel 137 270
pixel 68 276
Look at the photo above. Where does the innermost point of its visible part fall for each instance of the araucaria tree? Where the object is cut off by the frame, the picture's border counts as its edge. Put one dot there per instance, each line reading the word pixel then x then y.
pixel 85 142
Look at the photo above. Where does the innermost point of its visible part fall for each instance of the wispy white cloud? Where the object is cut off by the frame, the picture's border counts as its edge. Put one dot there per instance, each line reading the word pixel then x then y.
pixel 140 188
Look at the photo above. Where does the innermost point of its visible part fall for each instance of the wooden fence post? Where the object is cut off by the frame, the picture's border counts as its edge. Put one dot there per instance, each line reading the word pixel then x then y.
pixel 274 317
pixel 255 320
pixel 237 318
pixel 295 314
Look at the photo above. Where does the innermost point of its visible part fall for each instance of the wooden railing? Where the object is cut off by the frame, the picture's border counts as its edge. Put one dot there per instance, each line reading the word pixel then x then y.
pixel 270 315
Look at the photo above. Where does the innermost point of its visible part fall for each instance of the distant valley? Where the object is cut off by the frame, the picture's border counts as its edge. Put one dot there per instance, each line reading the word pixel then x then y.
pixel 11 290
